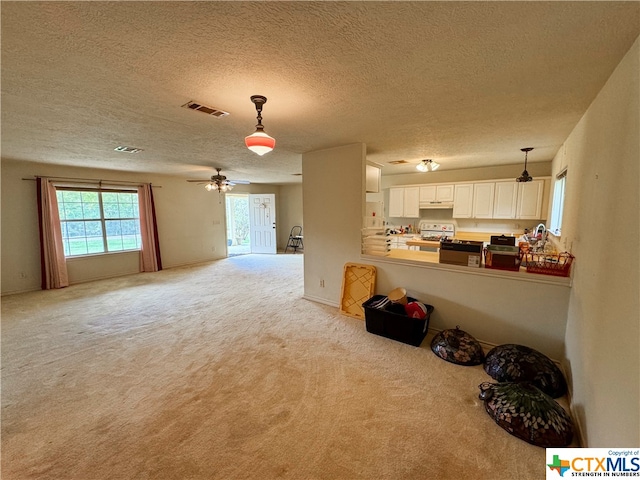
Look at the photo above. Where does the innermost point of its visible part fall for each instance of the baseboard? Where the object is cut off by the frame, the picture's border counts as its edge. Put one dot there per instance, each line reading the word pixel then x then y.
pixel 324 301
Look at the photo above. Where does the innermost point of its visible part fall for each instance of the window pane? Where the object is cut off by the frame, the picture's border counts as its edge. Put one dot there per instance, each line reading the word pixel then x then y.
pixel 73 211
pixel 95 244
pixel 91 210
pixel 75 229
pixel 111 210
pixel 129 227
pixel 113 227
pixel 89 197
pixel 109 197
pixel 130 242
pixel 93 229
pixel 78 246
pixel 71 196
pixel 126 210
pixel 114 243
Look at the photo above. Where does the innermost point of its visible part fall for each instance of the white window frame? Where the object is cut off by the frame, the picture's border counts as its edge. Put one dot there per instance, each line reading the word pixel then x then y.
pixel 106 248
pixel 557 205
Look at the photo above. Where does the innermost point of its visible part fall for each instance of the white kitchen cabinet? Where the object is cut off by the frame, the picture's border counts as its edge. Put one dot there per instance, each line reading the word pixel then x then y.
pixel 404 202
pixel 396 202
pixel 412 202
pixel 483 200
pixel 463 200
pixel 505 200
pixel 436 194
pixel 372 179
pixel 530 200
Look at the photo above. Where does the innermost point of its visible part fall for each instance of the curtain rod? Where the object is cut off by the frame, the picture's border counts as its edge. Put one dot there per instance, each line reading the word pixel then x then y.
pixel 92 180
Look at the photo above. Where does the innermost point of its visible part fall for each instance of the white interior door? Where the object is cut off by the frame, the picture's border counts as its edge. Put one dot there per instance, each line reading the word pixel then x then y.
pixel 262 219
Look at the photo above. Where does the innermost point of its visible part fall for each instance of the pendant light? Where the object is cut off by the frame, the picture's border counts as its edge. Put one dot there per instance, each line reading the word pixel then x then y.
pixel 259 142
pixel 427 165
pixel 525 177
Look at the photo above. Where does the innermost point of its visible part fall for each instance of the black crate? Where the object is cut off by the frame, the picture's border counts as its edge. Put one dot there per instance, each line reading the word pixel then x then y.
pixel 395 326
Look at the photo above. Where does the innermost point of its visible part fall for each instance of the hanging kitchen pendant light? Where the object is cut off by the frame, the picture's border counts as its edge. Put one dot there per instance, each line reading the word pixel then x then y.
pixel 525 177
pixel 427 165
pixel 259 142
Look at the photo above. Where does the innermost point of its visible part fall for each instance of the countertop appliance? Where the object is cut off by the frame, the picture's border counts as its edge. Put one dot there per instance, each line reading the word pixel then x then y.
pixel 461 252
pixel 436 231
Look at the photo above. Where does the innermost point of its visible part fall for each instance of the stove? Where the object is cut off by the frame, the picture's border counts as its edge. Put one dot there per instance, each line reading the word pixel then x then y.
pixel 436 231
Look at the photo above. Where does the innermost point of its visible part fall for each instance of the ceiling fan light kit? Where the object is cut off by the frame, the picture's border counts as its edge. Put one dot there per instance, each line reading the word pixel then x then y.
pixel 525 177
pixel 427 165
pixel 259 142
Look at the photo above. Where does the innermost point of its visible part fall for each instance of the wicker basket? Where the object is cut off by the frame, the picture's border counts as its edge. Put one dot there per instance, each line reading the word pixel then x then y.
pixel 549 264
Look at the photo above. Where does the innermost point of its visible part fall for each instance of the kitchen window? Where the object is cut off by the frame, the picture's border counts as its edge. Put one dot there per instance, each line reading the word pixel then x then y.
pixel 95 221
pixel 557 207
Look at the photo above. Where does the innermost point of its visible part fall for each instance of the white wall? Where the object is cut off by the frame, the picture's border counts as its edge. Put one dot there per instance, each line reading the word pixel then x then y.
pixel 600 226
pixel 290 212
pixel 191 224
pixel 493 309
pixel 333 206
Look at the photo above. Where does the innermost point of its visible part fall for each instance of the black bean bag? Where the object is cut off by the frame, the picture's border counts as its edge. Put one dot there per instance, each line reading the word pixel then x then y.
pixel 517 363
pixel 528 413
pixel 457 346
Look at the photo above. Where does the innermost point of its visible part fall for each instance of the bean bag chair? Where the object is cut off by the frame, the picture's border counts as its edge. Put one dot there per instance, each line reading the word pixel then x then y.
pixel 517 363
pixel 528 413
pixel 457 346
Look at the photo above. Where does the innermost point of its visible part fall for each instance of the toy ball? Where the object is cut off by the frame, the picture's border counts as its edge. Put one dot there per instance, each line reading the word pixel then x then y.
pixel 415 310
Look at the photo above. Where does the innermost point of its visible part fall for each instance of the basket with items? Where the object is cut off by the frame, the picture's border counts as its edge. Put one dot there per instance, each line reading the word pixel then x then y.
pixel 558 264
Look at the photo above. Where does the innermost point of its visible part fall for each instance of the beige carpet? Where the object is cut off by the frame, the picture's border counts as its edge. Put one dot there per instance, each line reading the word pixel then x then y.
pixel 223 371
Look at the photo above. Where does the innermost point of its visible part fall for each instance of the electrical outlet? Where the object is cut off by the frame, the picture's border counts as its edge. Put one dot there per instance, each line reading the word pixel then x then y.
pixel 322 283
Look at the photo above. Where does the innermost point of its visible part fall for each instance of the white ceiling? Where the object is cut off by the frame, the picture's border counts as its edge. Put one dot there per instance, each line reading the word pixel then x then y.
pixel 465 83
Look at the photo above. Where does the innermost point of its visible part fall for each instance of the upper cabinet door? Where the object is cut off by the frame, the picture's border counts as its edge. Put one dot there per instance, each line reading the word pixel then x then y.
pixel 505 200
pixel 483 200
pixel 463 200
pixel 412 202
pixel 396 202
pixel 444 193
pixel 428 193
pixel 372 179
pixel 530 199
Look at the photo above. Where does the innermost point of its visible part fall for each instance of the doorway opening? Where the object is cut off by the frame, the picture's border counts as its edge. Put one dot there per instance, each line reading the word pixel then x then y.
pixel 238 230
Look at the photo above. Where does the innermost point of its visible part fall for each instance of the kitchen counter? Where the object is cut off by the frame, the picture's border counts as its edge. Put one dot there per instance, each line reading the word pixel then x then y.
pixel 415 255
pixel 423 243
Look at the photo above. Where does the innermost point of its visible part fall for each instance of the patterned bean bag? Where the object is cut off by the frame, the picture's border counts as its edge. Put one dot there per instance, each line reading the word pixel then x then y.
pixel 517 363
pixel 457 346
pixel 527 413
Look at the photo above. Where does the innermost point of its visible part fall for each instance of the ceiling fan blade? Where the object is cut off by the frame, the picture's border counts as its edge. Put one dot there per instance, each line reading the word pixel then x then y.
pixel 240 182
pixel 199 181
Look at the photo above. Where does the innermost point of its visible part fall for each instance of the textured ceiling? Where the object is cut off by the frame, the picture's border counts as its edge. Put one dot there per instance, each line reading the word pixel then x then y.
pixel 465 83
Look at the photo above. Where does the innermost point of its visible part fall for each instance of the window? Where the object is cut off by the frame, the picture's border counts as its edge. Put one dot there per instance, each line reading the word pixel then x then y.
pixel 558 203
pixel 98 221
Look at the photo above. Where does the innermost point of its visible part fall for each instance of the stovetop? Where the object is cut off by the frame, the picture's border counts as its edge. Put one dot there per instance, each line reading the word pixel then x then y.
pixel 436 231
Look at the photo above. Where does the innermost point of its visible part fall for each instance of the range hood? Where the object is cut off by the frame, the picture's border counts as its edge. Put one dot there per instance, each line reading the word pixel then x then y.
pixel 432 205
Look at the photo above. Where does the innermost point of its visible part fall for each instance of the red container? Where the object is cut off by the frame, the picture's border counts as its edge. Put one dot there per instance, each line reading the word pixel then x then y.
pixel 558 264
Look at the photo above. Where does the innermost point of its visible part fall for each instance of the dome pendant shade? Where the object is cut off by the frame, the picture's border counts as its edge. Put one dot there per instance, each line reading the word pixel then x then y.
pixel 259 142
pixel 525 177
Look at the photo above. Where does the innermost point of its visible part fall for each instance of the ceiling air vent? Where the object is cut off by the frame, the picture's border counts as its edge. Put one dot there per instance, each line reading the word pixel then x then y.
pixel 125 149
pixel 216 112
pixel 398 162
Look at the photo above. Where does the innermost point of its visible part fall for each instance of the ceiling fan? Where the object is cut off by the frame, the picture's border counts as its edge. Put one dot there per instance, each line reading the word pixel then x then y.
pixel 219 182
